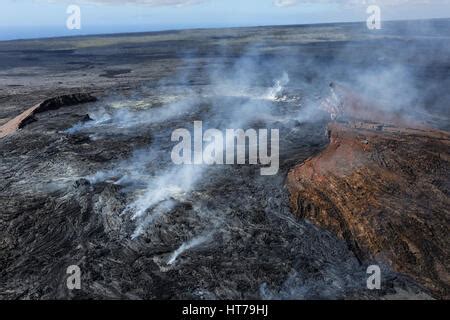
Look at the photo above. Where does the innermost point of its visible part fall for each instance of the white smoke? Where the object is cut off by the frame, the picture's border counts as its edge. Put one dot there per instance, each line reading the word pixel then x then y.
pixel 188 245
pixel 130 172
pixel 120 115
pixel 275 92
pixel 171 184
pixel 163 188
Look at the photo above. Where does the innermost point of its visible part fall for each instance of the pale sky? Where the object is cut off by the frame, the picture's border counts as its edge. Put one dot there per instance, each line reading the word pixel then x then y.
pixel 45 18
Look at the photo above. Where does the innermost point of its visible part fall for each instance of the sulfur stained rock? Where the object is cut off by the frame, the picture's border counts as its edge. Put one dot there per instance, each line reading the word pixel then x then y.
pixel 385 190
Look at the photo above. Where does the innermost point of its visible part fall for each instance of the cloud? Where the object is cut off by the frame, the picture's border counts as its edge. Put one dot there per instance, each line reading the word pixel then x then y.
pixel 277 3
pixel 288 3
pixel 285 3
pixel 152 3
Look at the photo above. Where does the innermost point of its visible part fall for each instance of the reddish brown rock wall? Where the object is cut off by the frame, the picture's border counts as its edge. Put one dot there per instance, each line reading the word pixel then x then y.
pixel 385 190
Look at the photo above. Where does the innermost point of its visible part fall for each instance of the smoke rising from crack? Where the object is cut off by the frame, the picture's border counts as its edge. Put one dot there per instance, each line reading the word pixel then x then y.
pixel 253 89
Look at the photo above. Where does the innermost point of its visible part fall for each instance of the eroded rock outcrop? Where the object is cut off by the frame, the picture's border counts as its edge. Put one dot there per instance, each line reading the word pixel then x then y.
pixel 50 104
pixel 385 190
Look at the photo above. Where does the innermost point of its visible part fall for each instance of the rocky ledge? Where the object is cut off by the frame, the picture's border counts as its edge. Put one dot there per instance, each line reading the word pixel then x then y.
pixel 27 116
pixel 384 189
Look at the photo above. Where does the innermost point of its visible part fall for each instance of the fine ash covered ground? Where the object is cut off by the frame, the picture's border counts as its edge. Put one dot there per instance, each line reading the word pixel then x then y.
pixel 101 192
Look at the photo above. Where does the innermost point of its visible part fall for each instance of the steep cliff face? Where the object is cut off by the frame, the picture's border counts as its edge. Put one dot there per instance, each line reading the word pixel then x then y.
pixel 385 190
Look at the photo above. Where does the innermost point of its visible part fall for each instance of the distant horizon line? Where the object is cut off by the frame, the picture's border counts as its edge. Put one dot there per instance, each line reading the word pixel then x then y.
pixel 203 28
